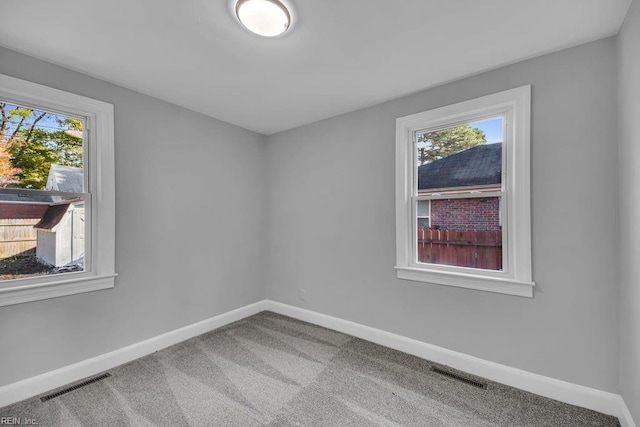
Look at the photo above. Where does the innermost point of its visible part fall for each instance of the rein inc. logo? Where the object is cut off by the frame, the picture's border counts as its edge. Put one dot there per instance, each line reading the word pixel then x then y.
pixel 17 421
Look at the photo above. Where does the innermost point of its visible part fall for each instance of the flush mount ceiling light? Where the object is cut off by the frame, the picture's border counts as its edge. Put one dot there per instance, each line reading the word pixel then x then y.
pixel 267 18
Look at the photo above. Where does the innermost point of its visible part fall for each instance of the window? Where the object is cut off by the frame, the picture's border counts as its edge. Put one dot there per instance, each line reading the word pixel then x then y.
pixel 424 213
pixel 463 196
pixel 56 193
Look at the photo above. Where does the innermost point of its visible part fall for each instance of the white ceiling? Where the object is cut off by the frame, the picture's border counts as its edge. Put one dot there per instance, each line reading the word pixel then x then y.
pixel 338 56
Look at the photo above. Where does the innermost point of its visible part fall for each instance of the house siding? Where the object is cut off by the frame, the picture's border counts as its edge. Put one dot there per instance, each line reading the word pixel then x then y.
pixel 476 214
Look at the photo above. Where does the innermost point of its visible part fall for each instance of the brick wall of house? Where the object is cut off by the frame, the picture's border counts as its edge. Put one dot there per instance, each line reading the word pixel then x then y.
pixel 477 214
pixel 22 210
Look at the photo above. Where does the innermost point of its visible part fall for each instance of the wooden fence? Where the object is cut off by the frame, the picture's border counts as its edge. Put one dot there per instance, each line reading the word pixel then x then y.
pixel 476 249
pixel 17 237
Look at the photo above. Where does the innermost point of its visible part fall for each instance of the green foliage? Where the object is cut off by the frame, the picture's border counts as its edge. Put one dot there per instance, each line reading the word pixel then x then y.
pixel 442 143
pixel 23 113
pixel 70 123
pixel 33 152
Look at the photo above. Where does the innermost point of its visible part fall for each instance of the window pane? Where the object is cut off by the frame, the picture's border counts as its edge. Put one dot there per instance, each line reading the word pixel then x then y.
pixel 40 149
pixel 464 232
pixel 41 234
pixel 423 208
pixel 465 157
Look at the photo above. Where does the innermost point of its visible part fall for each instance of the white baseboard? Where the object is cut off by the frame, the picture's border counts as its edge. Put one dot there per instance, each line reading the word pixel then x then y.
pixel 573 394
pixel 626 420
pixel 601 401
pixel 39 384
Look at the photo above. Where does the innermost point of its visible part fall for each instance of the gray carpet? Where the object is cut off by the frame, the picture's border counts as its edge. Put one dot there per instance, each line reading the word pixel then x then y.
pixel 273 370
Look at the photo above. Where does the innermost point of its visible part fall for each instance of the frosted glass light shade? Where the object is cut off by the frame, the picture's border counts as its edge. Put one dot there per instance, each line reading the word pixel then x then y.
pixel 267 18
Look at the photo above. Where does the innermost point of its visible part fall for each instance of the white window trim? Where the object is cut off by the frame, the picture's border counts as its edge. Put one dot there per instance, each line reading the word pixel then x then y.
pixel 516 279
pixel 101 185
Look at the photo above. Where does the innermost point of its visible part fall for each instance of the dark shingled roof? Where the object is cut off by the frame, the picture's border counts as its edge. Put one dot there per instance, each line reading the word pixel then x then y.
pixel 479 165
pixel 52 216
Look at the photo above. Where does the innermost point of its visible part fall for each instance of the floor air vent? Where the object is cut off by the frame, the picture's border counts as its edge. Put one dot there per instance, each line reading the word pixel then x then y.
pixel 75 387
pixel 459 378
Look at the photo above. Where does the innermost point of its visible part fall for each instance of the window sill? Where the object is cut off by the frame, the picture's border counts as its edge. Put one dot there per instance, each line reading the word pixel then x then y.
pixel 468 281
pixel 25 293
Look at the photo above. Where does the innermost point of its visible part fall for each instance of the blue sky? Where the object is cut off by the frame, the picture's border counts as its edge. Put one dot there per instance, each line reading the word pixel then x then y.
pixel 492 129
pixel 49 122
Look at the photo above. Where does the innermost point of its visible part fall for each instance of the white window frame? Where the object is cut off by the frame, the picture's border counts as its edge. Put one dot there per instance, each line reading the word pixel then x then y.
pixel 516 276
pixel 100 183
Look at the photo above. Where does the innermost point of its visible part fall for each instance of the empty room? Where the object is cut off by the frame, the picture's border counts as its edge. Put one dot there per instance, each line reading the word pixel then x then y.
pixel 320 213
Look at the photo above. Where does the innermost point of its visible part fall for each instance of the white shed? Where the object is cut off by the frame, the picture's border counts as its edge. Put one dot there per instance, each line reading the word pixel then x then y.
pixel 60 234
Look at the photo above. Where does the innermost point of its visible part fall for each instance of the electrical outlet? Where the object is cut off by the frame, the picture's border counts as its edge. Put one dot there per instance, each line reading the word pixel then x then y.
pixel 303 295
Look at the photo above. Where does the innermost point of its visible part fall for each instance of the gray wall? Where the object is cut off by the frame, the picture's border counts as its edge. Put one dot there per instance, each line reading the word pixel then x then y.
pixel 629 107
pixel 331 224
pixel 193 205
pixel 189 231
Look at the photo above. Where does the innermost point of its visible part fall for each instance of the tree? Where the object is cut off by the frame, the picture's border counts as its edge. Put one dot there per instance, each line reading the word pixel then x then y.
pixel 15 123
pixel 35 156
pixel 7 171
pixel 25 118
pixel 442 143
pixel 28 150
